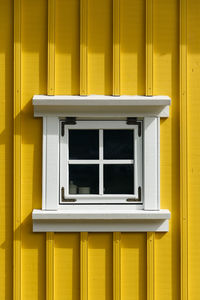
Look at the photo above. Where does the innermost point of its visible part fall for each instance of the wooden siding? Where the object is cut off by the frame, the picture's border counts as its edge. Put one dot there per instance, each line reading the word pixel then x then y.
pixel 84 47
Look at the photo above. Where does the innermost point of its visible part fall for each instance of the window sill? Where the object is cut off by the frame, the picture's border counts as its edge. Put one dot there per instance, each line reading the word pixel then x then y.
pixel 99 219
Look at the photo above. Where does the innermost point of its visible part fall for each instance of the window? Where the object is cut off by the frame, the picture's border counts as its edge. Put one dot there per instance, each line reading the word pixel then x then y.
pixel 100 165
pixel 101 162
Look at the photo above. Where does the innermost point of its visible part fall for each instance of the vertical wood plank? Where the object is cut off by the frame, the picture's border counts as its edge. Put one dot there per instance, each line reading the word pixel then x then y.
pixel 84 47
pixel 116 265
pixel 149 47
pixel 17 154
pixel 150 266
pixel 149 92
pixel 49 265
pixel 51 47
pixel 133 266
pixel 67 47
pixel 132 47
pixel 50 91
pixel 116 47
pixel 183 150
pixel 6 148
pixel 84 266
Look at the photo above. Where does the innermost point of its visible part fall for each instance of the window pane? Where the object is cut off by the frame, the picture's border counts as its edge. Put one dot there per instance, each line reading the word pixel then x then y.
pixel 118 179
pixel 83 144
pixel 118 144
pixel 83 179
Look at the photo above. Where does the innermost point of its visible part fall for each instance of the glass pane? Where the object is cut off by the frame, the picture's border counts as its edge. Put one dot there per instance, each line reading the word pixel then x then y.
pixel 83 144
pixel 83 179
pixel 118 144
pixel 118 179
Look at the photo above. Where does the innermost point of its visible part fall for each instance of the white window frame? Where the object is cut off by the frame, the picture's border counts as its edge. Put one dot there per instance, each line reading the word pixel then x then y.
pixel 51 161
pixel 101 199
pixel 56 217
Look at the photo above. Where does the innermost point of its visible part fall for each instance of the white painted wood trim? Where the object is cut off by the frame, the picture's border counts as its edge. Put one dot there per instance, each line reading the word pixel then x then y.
pixel 52 162
pixel 99 219
pixel 151 164
pixel 146 100
pixel 101 106
pixel 44 163
pixel 158 163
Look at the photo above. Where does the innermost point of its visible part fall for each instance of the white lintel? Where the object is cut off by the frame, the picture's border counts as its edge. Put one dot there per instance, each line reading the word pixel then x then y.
pixel 101 106
pixel 100 220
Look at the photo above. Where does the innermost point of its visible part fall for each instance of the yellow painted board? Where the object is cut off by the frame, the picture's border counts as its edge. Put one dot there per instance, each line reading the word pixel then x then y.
pixel 116 265
pixel 132 47
pixel 116 47
pixel 34 81
pixel 151 265
pixel 83 47
pixel 149 47
pixel 100 37
pixel 100 266
pixel 32 77
pixel 83 265
pixel 183 151
pixel 51 48
pixel 6 146
pixel 193 79
pixel 166 82
pixel 67 266
pixel 133 266
pixel 17 153
pixel 50 266
pixel 149 92
pixel 67 47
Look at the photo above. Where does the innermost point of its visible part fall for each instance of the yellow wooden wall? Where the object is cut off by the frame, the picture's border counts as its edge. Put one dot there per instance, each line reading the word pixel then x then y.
pixel 99 47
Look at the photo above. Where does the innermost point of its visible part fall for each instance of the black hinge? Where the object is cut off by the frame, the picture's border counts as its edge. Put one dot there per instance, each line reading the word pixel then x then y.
pixel 136 199
pixel 67 121
pixel 66 199
pixel 134 121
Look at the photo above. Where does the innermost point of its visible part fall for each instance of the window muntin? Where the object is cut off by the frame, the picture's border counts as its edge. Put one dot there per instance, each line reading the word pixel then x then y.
pixel 110 153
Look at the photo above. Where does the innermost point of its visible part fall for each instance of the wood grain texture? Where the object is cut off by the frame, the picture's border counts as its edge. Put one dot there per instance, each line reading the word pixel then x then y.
pixel 116 266
pixel 67 266
pixel 168 31
pixel 50 270
pixel 68 46
pixel 84 47
pixel 6 150
pixel 100 47
pixel 100 266
pixel 17 154
pixel 166 81
pixel 116 47
pixel 84 266
pixel 50 266
pixel 34 37
pixel 133 266
pixel 183 150
pixel 193 147
pixel 149 92
pixel 51 47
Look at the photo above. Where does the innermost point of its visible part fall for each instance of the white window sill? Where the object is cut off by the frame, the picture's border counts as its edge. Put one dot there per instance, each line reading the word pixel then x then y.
pixel 99 219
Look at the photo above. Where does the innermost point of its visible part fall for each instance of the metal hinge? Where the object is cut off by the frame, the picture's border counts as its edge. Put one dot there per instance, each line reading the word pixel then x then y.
pixel 134 121
pixel 67 121
pixel 63 196
pixel 136 199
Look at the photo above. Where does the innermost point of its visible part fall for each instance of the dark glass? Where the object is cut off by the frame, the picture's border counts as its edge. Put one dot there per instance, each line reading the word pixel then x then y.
pixel 118 144
pixel 85 176
pixel 83 144
pixel 118 179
